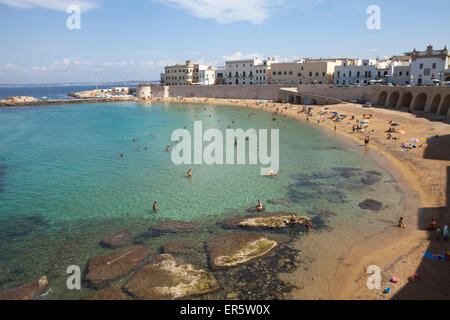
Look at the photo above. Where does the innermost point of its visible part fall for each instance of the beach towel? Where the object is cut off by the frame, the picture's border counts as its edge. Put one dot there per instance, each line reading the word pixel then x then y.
pixel 434 256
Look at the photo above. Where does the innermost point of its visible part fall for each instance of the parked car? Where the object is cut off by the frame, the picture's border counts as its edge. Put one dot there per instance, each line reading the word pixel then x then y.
pixel 367 104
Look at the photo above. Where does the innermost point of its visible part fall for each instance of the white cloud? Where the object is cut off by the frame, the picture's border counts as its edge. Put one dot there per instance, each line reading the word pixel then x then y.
pixel 241 56
pixel 227 11
pixel 59 5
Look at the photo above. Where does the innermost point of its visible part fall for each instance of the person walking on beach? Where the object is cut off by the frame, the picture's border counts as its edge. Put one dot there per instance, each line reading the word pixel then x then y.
pixel 155 206
pixel 366 140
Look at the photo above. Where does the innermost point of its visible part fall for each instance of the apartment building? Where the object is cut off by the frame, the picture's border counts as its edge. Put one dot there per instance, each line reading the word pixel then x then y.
pixel 366 71
pixel 251 71
pixel 319 71
pixel 185 74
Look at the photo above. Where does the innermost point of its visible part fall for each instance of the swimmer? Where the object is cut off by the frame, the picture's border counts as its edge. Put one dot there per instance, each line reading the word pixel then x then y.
pixel 145 148
pixel 168 148
pixel 190 173
pixel 139 148
pixel 121 155
pixel 155 206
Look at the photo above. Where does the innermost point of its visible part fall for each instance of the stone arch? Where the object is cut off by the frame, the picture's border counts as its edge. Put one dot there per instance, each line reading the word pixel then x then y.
pixel 314 102
pixel 393 99
pixel 406 100
pixel 420 101
pixel 306 100
pixel 298 100
pixel 445 106
pixel 435 104
pixel 291 99
pixel 447 79
pixel 382 99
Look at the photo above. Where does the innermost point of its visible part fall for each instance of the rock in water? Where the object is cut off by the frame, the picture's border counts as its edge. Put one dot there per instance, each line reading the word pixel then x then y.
pixel 29 291
pixel 231 249
pixel 103 269
pixel 176 227
pixel 371 179
pixel 111 293
pixel 166 278
pixel 374 173
pixel 370 204
pixel 117 240
pixel 179 247
pixel 272 220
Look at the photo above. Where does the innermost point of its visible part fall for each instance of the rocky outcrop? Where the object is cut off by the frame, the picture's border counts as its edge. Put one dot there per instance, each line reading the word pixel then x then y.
pixel 111 293
pixel 103 269
pixel 20 99
pixel 179 247
pixel 269 220
pixel 117 240
pixel 176 227
pixel 166 278
pixel 370 204
pixel 29 291
pixel 231 249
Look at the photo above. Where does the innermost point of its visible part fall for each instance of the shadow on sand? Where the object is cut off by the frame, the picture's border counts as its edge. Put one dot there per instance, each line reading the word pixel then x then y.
pixel 435 275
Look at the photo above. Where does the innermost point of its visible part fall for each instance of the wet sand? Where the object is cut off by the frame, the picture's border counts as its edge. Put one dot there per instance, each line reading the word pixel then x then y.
pixel 422 175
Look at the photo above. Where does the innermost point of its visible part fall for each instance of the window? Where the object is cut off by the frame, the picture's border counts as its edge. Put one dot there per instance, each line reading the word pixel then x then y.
pixel 400 73
pixel 323 74
pixel 434 65
pixel 317 74
pixel 349 74
pixel 358 74
pixel 310 74
pixel 300 74
pixel 421 66
pixel 291 73
pixel 407 73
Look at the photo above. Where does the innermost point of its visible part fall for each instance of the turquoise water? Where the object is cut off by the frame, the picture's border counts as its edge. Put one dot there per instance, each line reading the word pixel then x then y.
pixel 64 186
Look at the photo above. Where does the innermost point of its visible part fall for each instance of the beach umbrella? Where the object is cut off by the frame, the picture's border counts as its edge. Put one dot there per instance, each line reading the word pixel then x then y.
pixel 395 125
pixel 414 140
pixel 334 112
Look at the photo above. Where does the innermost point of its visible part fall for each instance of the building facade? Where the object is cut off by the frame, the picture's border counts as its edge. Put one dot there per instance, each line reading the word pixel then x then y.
pixel 207 76
pixel 303 72
pixel 252 71
pixel 362 72
pixel 429 67
pixel 187 74
pixel 221 78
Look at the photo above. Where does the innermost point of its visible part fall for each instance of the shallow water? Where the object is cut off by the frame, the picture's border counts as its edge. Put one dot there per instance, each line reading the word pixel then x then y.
pixel 64 187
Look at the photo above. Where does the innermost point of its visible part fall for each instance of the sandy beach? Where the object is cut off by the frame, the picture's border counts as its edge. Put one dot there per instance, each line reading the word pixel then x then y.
pixel 422 173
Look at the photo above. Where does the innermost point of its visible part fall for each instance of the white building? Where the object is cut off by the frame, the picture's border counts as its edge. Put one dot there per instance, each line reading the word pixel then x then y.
pixel 366 71
pixel 186 74
pixel 400 70
pixel 207 76
pixel 252 71
pixel 429 67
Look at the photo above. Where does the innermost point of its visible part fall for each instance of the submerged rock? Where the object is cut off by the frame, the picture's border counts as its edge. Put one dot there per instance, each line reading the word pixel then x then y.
pixel 284 202
pixel 231 249
pixel 374 173
pixel 103 269
pixel 301 176
pixel 111 293
pixel 371 179
pixel 166 278
pixel 179 247
pixel 347 174
pixel 29 291
pixel 370 204
pixel 117 240
pixel 176 227
pixel 348 169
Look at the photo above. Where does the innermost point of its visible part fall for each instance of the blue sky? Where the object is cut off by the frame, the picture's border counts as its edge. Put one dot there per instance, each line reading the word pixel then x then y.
pixel 139 37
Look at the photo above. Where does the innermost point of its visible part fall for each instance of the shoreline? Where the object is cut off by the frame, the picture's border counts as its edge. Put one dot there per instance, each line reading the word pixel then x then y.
pixel 386 249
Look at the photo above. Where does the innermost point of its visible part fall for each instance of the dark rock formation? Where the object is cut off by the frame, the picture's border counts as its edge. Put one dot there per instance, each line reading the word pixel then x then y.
pixel 370 204
pixel 103 269
pixel 29 291
pixel 117 240
pixel 111 293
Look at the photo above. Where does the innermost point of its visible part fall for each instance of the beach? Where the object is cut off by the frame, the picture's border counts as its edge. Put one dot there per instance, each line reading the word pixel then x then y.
pixel 421 173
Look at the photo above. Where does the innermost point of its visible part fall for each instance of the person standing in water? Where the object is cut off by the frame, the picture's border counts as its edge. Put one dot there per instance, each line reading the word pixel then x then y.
pixel 308 225
pixel 190 173
pixel 259 207
pixel 155 206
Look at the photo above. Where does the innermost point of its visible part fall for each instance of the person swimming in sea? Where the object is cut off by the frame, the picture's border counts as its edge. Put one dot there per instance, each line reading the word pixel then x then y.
pixel 138 148
pixel 168 148
pixel 190 173
pixel 155 206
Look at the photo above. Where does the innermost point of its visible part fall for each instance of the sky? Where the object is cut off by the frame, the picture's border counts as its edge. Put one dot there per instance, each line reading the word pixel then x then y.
pixel 134 39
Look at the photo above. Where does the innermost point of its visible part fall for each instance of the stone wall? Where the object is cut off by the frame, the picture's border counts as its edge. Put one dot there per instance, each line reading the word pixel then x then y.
pixel 227 92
